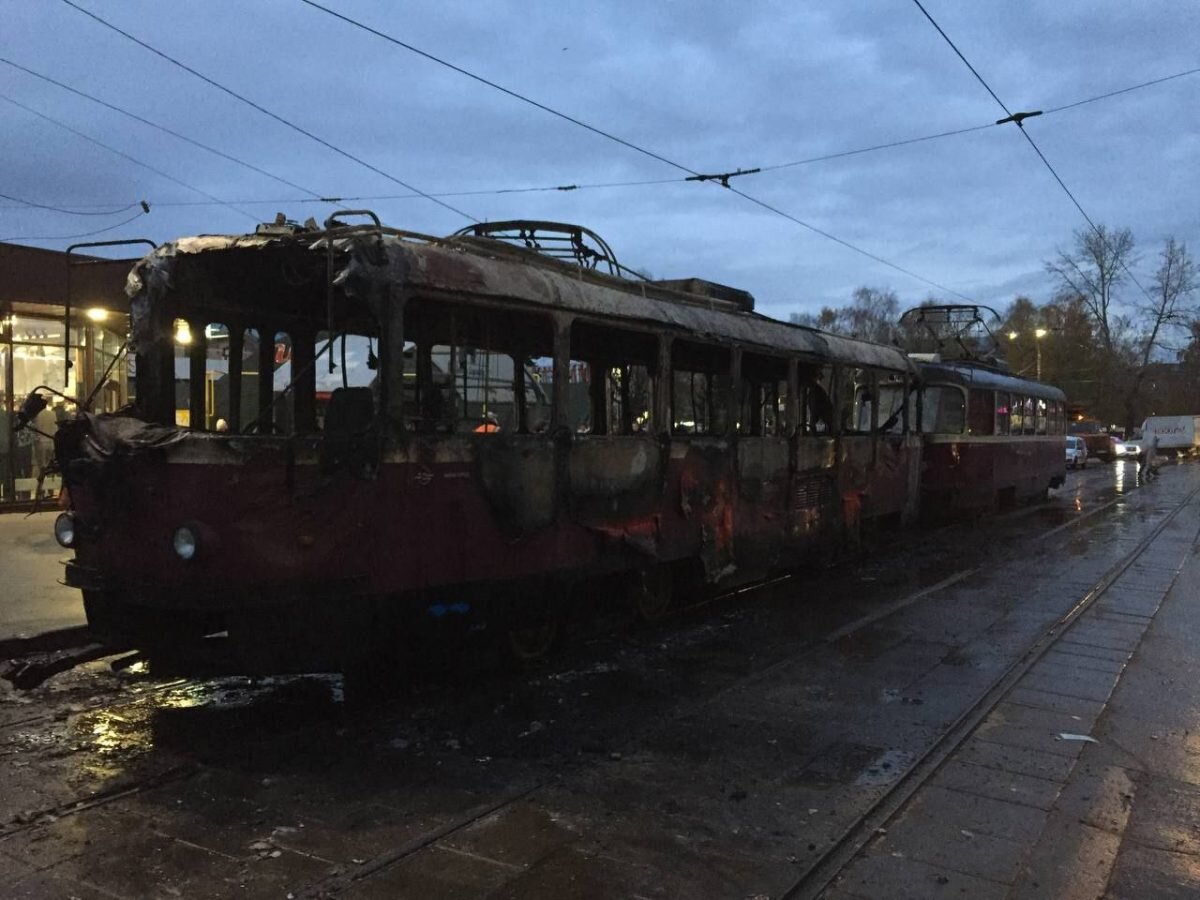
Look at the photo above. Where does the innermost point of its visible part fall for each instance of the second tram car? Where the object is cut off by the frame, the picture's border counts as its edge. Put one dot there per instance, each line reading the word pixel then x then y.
pixel 992 439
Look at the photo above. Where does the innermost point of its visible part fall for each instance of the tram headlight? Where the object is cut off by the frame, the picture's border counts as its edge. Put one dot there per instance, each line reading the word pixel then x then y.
pixel 184 542
pixel 64 529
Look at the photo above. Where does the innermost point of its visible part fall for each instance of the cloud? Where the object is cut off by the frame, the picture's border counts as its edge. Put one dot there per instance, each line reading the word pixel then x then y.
pixel 713 86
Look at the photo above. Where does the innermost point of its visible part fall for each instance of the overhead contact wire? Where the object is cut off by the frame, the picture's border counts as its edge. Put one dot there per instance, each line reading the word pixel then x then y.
pixel 64 237
pixel 723 183
pixel 266 112
pixel 1036 149
pixel 163 128
pixel 317 198
pixel 124 155
pixel 106 211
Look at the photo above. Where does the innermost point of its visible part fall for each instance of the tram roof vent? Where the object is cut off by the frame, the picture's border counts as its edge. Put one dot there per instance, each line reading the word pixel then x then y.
pixel 743 300
pixel 284 227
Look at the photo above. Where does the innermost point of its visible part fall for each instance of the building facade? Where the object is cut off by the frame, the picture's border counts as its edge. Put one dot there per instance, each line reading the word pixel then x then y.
pixel 78 355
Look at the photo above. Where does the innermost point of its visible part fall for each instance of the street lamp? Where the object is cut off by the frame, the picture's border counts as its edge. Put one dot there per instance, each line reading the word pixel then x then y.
pixel 1039 334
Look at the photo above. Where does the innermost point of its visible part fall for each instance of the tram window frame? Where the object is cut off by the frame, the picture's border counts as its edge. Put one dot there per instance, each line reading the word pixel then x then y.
pixel 350 351
pixel 1003 406
pixel 763 409
pixel 886 379
pixel 439 400
pixel 938 423
pixel 706 367
pixel 981 406
pixel 816 406
pixel 1028 415
pixel 1016 414
pixel 627 361
pixel 848 399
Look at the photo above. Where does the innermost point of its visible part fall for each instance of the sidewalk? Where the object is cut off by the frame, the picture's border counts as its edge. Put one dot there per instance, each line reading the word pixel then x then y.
pixel 1018 812
pixel 31 599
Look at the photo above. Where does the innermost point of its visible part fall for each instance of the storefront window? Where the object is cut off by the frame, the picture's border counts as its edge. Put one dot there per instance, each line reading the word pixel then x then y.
pixel 32 355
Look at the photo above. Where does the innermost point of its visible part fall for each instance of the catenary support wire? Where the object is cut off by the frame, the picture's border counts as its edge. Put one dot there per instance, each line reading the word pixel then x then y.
pixel 266 112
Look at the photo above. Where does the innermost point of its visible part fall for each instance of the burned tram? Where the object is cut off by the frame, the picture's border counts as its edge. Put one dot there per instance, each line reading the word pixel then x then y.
pixel 466 426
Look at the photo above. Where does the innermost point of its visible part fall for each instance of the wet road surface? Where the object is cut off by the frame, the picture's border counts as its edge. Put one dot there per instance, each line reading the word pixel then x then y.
pixel 722 753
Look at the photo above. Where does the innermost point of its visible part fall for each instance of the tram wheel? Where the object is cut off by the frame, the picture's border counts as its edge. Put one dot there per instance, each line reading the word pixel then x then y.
pixel 533 625
pixel 652 592
pixel 532 642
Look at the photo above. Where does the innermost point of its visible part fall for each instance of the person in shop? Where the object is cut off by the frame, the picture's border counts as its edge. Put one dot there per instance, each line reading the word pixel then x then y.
pixel 46 423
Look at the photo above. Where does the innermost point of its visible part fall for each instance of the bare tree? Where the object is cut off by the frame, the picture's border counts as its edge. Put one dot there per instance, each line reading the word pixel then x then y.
pixel 1168 307
pixel 1093 271
pixel 870 315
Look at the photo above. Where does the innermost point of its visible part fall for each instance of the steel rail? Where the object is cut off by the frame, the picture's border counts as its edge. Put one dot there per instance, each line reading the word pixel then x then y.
pixel 825 869
pixel 333 885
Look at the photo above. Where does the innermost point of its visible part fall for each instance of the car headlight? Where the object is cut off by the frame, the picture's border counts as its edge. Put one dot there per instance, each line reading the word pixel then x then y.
pixel 64 529
pixel 184 542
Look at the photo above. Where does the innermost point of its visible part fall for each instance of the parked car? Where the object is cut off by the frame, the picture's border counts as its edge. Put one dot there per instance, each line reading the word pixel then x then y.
pixel 1077 453
pixel 1126 449
pixel 1101 445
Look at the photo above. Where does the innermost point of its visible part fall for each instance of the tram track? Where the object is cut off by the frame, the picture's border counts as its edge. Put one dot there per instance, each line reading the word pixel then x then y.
pixel 468 818
pixel 822 873
pixel 119 702
pixel 826 867
pixel 150 692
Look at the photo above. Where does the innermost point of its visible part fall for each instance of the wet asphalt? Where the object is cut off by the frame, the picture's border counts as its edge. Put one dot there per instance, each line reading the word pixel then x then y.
pixel 720 753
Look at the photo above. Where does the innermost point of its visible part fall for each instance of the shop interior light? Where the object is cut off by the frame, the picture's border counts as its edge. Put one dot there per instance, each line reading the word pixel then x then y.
pixel 96 314
pixel 183 333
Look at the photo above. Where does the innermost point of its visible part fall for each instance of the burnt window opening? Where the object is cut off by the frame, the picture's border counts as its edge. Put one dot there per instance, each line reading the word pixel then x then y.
pixel 470 370
pixel 701 389
pixel 816 399
pixel 204 374
pixel 612 380
pixel 764 401
pixel 856 400
pixel 880 402
pixel 943 410
pixel 895 403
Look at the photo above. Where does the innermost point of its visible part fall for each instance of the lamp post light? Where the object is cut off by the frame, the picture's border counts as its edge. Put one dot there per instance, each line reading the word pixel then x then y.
pixel 1039 334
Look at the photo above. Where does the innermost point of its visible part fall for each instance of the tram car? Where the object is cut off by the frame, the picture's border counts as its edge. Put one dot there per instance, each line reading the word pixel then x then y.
pixel 400 428
pixel 991 439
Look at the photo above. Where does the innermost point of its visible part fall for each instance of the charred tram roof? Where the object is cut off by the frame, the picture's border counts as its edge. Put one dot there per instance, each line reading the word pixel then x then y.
pixel 252 275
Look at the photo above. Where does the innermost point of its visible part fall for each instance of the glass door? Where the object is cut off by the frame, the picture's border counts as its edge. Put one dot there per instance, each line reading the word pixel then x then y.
pixel 38 357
